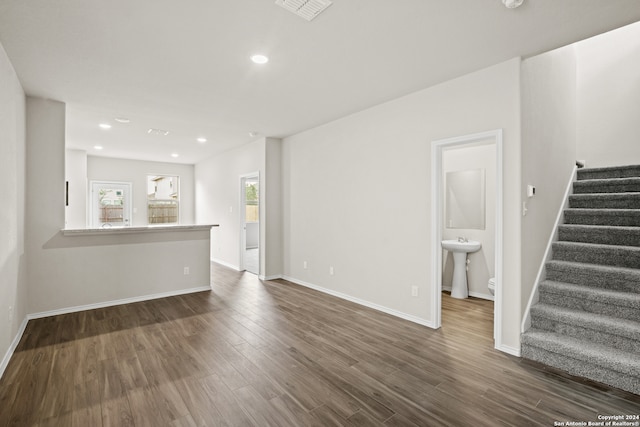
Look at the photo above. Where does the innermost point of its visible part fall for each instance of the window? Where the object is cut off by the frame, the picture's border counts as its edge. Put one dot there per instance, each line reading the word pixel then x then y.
pixel 163 199
pixel 252 213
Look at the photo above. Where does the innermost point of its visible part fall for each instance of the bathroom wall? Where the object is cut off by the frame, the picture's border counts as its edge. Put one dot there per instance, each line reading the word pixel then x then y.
pixel 482 263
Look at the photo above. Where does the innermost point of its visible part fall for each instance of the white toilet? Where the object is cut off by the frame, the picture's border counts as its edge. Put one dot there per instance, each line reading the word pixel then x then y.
pixel 492 285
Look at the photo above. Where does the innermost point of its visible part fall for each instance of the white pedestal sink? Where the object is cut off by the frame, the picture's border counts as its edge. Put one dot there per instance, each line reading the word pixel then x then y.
pixel 460 249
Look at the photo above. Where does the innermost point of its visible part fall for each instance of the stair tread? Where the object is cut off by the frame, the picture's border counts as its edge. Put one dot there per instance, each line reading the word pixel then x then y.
pixel 598 322
pixel 613 181
pixel 628 195
pixel 617 228
pixel 587 321
pixel 605 211
pixel 588 245
pixel 622 361
pixel 624 298
pixel 611 269
pixel 584 171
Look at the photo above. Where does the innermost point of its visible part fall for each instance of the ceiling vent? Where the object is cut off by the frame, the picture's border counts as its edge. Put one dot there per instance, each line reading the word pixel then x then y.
pixel 307 9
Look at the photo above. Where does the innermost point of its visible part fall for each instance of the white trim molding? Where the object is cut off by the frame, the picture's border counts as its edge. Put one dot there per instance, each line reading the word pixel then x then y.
pixel 437 146
pixel 225 264
pixel 117 302
pixel 13 346
pixel 361 302
pixel 542 271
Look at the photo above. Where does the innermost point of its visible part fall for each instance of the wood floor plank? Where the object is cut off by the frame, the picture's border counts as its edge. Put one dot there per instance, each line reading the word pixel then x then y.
pixel 256 353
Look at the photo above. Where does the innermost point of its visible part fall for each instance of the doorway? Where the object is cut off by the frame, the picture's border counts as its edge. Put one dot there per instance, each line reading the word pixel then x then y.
pixel 110 204
pixel 437 214
pixel 250 223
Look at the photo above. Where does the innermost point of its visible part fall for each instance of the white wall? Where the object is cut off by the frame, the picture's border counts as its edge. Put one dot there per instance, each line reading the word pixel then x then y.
pixel 136 172
pixel 218 202
pixel 271 233
pixel 13 283
pixel 609 98
pixel 482 263
pixel 217 192
pixel 548 150
pixel 77 271
pixel 76 176
pixel 356 193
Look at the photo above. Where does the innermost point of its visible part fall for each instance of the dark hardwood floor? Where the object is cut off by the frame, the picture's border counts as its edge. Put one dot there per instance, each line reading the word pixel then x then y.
pixel 257 353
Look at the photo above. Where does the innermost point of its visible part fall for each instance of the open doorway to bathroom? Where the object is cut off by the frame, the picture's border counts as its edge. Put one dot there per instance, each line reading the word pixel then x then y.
pixel 467 210
pixel 250 223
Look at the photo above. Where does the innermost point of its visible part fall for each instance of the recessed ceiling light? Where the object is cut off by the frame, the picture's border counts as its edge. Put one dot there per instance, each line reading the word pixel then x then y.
pixel 98 147
pixel 201 140
pixel 174 155
pixel 153 131
pixel 122 120
pixel 105 125
pixel 259 59
pixel 512 4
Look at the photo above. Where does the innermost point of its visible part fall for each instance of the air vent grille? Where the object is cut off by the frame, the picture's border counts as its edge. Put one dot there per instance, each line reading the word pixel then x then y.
pixel 307 9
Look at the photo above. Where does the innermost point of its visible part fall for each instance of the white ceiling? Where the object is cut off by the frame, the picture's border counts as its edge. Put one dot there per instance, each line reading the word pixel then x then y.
pixel 183 66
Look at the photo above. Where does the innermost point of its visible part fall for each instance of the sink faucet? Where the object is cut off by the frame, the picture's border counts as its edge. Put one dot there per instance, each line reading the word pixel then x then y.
pixel 463 239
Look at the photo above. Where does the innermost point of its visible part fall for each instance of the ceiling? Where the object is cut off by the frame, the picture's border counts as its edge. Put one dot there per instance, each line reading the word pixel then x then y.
pixel 184 67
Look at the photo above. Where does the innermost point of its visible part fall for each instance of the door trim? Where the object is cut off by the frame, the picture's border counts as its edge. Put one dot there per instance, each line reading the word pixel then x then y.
pixel 437 201
pixel 92 208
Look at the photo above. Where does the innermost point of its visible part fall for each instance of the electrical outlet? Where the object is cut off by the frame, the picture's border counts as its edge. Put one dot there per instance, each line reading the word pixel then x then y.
pixel 414 291
pixel 10 313
pixel 331 271
pixel 304 265
pixel 186 271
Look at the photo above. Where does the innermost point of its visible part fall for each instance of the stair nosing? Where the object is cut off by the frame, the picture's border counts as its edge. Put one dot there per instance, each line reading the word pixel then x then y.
pixel 577 351
pixel 633 179
pixel 586 320
pixel 598 246
pixel 624 296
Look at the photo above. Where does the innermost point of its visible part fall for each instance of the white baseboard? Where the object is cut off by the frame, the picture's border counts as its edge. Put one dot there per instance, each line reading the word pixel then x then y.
pixel 473 294
pixel 225 264
pixel 276 277
pixel 117 302
pixel 362 302
pixel 509 350
pixel 13 346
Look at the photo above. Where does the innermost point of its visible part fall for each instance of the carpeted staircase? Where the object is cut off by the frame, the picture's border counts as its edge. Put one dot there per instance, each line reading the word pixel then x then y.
pixel 587 321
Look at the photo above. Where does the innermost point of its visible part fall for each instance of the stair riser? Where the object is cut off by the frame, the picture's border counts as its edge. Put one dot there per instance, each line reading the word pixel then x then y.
pixel 601 374
pixel 584 187
pixel 608 236
pixel 619 281
pixel 576 331
pixel 590 306
pixel 628 202
pixel 624 172
pixel 604 255
pixel 616 219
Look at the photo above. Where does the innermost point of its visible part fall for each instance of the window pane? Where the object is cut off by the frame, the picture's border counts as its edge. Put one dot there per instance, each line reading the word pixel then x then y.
pixel 163 199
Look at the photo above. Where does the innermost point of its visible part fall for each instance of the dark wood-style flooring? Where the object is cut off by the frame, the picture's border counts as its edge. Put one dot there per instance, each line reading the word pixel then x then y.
pixel 254 353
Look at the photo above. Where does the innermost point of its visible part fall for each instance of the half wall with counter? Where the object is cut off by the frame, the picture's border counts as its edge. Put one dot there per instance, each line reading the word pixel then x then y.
pixel 108 266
